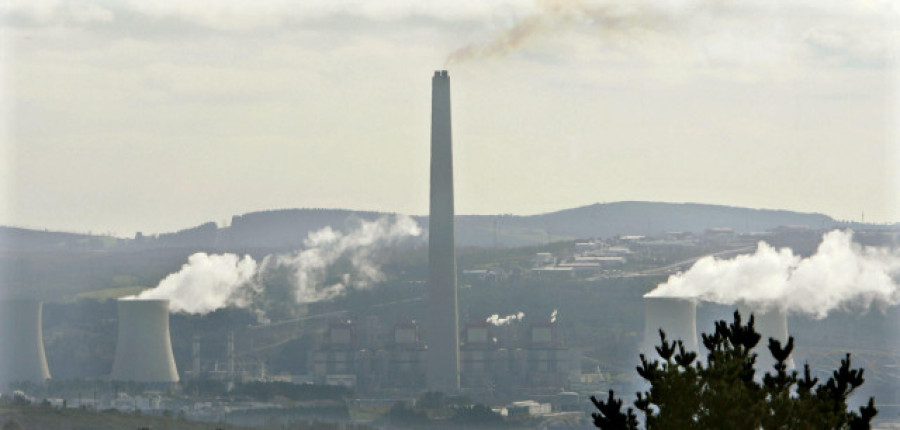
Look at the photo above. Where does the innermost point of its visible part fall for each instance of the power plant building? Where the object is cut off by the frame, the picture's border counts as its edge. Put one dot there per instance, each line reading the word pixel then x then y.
pixel 544 363
pixel 340 360
pixel 484 364
pixel 22 356
pixel 404 359
pixel 494 360
pixel 144 348
pixel 442 329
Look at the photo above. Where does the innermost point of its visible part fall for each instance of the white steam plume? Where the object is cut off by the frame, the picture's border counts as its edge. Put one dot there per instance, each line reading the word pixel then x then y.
pixel 553 316
pixel 206 283
pixel 209 282
pixel 840 275
pixel 326 246
pixel 497 321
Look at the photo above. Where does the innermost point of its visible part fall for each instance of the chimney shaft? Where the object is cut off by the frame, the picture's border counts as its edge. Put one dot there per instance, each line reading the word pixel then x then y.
pixel 443 330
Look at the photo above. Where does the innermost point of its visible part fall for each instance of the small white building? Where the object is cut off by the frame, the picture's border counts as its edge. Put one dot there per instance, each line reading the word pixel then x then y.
pixel 527 408
pixel 602 261
pixel 553 271
pixel 542 259
pixel 347 380
pixel 582 266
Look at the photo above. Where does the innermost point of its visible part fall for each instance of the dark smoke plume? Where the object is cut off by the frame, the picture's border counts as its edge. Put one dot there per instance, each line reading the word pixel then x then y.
pixel 555 16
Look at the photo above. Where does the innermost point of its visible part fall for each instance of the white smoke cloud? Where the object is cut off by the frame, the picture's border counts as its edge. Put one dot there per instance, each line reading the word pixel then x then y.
pixel 209 282
pixel 496 320
pixel 206 283
pixel 840 275
pixel 324 247
pixel 548 17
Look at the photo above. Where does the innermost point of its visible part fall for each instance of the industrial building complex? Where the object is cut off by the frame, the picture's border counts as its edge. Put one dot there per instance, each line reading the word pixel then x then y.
pixel 390 358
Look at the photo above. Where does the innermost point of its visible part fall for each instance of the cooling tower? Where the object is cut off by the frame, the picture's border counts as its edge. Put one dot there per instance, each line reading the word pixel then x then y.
pixel 676 316
pixel 771 323
pixel 143 348
pixel 443 324
pixel 21 342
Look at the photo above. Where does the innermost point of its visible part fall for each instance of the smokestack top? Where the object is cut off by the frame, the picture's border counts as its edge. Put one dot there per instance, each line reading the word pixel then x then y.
pixel 440 73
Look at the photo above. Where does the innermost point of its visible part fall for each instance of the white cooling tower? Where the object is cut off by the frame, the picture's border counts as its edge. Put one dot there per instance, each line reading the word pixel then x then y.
pixel 676 316
pixel 143 348
pixel 21 342
pixel 770 323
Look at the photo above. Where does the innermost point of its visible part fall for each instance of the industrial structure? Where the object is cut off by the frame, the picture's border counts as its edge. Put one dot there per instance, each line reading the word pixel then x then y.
pixel 144 348
pixel 403 360
pixel 22 355
pixel 339 360
pixel 195 357
pixel 676 316
pixel 546 363
pixel 484 363
pixel 494 360
pixel 442 329
pixel 770 322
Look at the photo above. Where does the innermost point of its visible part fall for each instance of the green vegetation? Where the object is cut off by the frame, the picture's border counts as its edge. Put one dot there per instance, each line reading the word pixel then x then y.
pixel 46 417
pixel 435 409
pixel 724 393
pixel 265 391
pixel 78 388
pixel 298 406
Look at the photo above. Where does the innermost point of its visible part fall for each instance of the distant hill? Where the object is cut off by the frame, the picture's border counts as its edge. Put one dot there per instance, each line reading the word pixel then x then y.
pixel 24 239
pixel 288 228
pixel 603 220
pixel 649 218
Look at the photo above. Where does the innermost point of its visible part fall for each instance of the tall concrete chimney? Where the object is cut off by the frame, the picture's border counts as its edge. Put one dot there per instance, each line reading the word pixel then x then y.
pixel 22 355
pixel 443 324
pixel 144 348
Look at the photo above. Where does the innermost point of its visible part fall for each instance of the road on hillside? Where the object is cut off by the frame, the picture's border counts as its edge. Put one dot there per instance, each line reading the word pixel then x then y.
pixel 685 264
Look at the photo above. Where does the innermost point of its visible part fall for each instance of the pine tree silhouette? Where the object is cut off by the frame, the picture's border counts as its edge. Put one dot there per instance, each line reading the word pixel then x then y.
pixel 724 393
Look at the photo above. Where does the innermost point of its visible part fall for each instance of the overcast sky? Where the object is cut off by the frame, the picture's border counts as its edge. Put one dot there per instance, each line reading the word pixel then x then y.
pixel 143 115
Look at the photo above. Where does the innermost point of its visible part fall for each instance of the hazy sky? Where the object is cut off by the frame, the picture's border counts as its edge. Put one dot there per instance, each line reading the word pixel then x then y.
pixel 129 115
